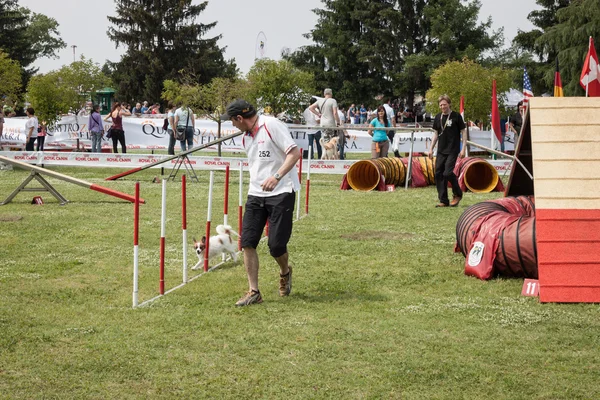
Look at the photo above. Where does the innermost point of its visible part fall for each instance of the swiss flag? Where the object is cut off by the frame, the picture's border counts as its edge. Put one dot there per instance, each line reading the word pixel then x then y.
pixel 590 74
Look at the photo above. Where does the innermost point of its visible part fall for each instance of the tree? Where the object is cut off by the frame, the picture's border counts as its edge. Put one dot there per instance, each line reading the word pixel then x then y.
pixel 10 76
pixel 368 48
pixel 568 40
pixel 66 90
pixel 27 36
pixel 470 79
pixel 280 86
pixel 163 41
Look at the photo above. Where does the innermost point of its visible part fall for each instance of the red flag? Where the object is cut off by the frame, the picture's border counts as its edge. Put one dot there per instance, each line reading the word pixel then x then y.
pixel 462 106
pixel 590 75
pixel 495 114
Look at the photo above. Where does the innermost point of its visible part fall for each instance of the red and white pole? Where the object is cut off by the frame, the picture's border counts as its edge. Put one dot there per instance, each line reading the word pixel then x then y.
pixel 226 202
pixel 298 206
pixel 208 219
pixel 184 225
pixel 136 230
pixel 163 222
pixel 308 179
pixel 241 204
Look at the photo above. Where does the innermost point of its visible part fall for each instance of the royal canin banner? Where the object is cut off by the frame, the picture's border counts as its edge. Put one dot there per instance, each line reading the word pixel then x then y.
pixel 146 133
pixel 197 163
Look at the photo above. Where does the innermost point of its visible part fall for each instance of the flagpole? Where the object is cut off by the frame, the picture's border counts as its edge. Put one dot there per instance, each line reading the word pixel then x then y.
pixel 587 85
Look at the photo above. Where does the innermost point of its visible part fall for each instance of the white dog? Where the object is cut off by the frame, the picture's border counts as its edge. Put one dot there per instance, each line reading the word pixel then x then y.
pixel 329 149
pixel 222 243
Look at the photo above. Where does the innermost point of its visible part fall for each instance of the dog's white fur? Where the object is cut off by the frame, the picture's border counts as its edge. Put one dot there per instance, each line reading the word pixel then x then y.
pixel 222 243
pixel 329 149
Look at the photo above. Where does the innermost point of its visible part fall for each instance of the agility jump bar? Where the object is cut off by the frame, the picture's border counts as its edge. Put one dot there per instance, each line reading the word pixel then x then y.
pixel 182 154
pixel 70 179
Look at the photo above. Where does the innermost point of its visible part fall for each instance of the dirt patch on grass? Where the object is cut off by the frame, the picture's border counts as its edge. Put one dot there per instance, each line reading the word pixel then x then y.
pixel 10 218
pixel 377 235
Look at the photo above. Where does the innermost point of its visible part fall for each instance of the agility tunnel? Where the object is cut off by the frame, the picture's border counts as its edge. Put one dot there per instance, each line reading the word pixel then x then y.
pixel 497 237
pixel 474 174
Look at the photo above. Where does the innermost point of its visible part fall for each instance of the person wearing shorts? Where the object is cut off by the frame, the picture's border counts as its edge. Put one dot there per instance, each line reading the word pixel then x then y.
pixel 272 157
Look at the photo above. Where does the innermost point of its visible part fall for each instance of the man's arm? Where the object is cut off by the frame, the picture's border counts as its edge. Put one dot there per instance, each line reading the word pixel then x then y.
pixel 434 141
pixel 313 109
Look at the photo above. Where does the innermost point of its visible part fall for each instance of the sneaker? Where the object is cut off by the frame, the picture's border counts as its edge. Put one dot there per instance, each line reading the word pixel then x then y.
pixel 252 297
pixel 455 201
pixel 285 283
pixel 441 205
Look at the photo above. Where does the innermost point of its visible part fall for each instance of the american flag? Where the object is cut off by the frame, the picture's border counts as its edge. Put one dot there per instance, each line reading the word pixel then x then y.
pixel 527 92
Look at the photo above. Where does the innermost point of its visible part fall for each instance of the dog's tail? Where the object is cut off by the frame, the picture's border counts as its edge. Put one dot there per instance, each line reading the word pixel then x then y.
pixel 226 230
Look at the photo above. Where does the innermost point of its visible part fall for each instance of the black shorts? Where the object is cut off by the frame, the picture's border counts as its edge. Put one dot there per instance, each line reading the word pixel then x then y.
pixel 279 211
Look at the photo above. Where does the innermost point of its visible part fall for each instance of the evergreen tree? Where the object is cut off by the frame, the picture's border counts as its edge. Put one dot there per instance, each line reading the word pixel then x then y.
pixel 364 49
pixel 163 38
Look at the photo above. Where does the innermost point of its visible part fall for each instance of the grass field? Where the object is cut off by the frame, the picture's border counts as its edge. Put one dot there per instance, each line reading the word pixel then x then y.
pixel 380 308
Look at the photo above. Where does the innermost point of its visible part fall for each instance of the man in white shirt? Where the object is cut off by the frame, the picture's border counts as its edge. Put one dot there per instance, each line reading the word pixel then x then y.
pixel 392 118
pixel 327 110
pixel 272 158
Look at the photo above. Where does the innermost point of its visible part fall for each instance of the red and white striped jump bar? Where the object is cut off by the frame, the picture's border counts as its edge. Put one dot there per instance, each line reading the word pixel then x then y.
pixel 164 160
pixel 70 179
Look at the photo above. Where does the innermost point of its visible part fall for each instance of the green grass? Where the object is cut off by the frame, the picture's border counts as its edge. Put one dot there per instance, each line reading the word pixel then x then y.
pixel 380 307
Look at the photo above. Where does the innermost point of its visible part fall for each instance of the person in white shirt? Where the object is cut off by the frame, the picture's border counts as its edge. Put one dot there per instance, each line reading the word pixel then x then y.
pixel 391 117
pixel 31 129
pixel 272 158
pixel 185 122
pixel 311 120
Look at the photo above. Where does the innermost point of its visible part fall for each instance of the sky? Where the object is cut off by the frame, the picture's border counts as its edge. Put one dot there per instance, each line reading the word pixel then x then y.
pixel 84 24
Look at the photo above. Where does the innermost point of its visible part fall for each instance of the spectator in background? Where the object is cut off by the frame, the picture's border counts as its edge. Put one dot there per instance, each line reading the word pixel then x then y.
pixel 31 129
pixel 363 114
pixel 137 109
pixel 41 137
pixel 351 114
pixel 516 122
pixel 1 122
pixel 117 132
pixel 311 120
pixel 381 143
pixel 389 111
pixel 184 120
pixel 326 109
pixel 155 109
pixel 96 129
pixel 171 129
pixel 145 108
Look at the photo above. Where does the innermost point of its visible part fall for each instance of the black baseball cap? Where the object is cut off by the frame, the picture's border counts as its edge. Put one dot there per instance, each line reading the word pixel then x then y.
pixel 238 107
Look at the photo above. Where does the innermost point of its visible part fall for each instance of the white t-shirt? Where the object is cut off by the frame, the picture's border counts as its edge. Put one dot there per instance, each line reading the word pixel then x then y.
pixel 32 122
pixel 267 151
pixel 311 120
pixel 390 113
pixel 183 113
pixel 326 107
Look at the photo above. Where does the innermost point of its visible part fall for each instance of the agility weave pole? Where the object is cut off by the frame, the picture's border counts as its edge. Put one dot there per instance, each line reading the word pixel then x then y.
pixel 205 260
pixel 70 179
pixel 182 154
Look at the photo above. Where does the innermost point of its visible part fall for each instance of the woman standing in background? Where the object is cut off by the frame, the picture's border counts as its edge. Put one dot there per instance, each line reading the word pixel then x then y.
pixel 96 129
pixel 117 132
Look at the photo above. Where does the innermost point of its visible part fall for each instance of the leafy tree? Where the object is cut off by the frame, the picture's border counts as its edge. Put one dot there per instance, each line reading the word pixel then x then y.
pixel 472 80
pixel 26 36
pixel 280 86
pixel 363 49
pixel 569 40
pixel 65 90
pixel 163 40
pixel 10 76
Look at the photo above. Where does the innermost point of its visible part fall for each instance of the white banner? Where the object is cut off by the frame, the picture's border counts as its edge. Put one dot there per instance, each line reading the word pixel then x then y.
pixel 146 133
pixel 131 161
